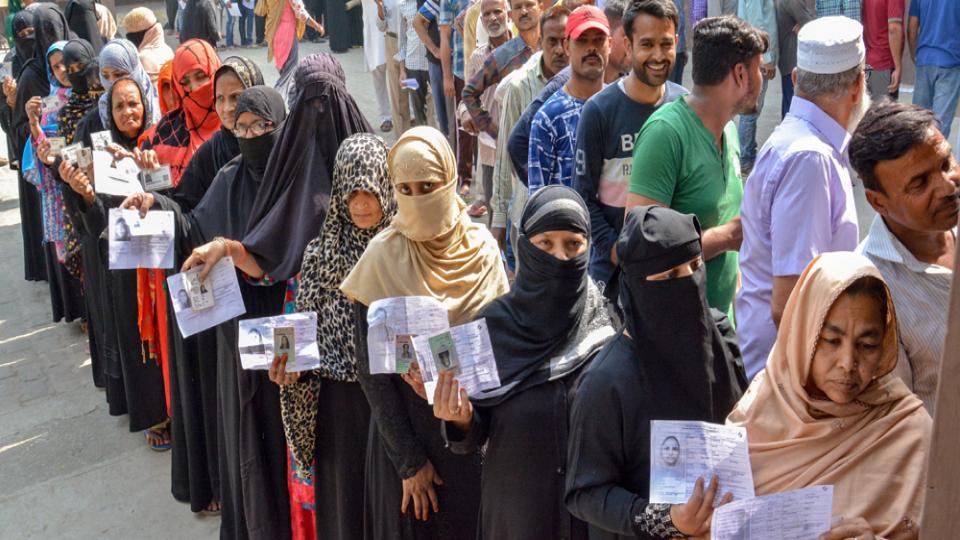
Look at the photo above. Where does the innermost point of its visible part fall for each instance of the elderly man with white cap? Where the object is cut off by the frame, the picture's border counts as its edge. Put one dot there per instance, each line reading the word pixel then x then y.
pixel 798 202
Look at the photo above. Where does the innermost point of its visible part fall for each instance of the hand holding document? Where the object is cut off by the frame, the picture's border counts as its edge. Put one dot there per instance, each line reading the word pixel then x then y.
pixel 465 350
pixel 295 334
pixel 119 177
pixel 393 322
pixel 803 514
pixel 219 297
pixel 136 242
pixel 683 451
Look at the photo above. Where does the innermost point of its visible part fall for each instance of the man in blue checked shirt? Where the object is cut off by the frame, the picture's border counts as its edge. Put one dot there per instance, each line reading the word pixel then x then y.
pixel 553 132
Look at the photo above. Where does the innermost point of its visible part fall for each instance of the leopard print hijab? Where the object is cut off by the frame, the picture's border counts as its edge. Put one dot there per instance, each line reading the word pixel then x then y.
pixel 360 165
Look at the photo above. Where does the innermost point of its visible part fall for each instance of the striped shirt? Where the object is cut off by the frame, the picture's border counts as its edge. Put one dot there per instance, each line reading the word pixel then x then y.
pixel 514 93
pixel 921 296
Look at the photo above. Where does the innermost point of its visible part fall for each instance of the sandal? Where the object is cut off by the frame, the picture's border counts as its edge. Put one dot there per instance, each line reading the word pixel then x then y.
pixel 210 511
pixel 155 439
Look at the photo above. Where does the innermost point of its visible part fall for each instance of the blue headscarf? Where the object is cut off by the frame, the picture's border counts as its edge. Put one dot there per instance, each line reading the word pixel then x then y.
pixel 48 122
pixel 122 54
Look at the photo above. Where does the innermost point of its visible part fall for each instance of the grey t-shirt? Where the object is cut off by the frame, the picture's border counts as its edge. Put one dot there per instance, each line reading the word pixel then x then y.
pixel 789 14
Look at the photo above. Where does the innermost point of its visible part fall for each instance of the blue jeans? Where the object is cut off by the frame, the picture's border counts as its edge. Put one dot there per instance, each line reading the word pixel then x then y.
pixel 229 37
pixel 786 87
pixel 748 130
pixel 439 100
pixel 938 89
pixel 246 25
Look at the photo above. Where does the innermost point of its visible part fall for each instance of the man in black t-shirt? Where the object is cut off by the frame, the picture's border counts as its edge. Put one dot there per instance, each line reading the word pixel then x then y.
pixel 611 120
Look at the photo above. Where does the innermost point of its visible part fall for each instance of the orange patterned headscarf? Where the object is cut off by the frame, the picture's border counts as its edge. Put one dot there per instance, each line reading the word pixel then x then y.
pixel 166 89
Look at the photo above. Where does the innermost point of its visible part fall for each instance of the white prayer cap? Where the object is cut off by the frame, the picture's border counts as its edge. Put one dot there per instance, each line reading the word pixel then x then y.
pixel 830 45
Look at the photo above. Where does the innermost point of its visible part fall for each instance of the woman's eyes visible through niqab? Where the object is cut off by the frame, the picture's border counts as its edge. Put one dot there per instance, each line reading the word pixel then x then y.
pixel 318 102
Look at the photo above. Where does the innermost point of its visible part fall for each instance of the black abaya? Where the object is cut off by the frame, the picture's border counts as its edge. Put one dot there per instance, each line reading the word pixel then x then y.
pixel 200 22
pixel 459 497
pixel 195 454
pixel 344 27
pixel 141 379
pixel 33 82
pixel 82 18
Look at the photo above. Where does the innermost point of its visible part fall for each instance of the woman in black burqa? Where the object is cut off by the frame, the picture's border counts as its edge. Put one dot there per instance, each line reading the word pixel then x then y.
pixel 544 333
pixel 676 359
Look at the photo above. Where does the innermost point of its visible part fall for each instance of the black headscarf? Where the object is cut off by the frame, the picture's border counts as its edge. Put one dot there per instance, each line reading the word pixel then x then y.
pixel 693 370
pixel 553 319
pixel 225 208
pixel 82 18
pixel 85 85
pixel 25 45
pixel 293 201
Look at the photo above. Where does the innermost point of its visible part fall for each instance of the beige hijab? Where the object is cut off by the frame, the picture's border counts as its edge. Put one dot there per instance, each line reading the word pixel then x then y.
pixel 431 248
pixel 872 450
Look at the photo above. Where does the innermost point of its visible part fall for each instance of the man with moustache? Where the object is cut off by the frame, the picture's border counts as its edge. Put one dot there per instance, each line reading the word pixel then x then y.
pixel 493 16
pixel 514 93
pixel 911 181
pixel 553 133
pixel 611 120
pixel 687 156
pixel 505 59
pixel 618 63
pixel 799 198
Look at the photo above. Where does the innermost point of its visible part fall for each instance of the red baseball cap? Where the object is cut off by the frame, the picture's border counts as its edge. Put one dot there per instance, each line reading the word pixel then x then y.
pixel 584 18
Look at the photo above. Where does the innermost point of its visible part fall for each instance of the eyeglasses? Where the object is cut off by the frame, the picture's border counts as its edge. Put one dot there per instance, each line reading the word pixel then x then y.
pixel 255 129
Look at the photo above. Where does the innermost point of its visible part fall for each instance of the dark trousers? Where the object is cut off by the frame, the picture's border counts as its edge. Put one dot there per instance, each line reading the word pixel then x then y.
pixel 466 143
pixel 261 23
pixel 418 98
pixel 171 8
pixel 246 25
pixel 786 86
pixel 316 10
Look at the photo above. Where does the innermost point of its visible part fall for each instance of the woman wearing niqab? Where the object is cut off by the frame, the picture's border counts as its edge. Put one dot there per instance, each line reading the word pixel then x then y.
pixel 431 248
pixel 676 359
pixel 49 27
pixel 174 139
pixel 871 449
pixel 195 474
pixel 544 334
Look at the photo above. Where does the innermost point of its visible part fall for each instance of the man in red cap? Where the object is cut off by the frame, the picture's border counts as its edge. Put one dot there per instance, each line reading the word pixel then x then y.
pixel 553 132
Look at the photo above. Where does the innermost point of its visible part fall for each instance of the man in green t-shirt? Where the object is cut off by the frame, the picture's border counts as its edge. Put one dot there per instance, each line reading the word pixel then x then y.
pixel 687 156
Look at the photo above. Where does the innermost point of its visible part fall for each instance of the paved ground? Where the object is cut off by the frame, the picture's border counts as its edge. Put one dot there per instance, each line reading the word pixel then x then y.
pixel 66 467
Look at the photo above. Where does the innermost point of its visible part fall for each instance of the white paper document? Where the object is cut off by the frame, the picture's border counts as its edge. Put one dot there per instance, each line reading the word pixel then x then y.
pixel 226 293
pixel 136 242
pixel 115 178
pixel 464 350
pixel 803 514
pixel 257 343
pixel 393 322
pixel 682 451
pixel 234 9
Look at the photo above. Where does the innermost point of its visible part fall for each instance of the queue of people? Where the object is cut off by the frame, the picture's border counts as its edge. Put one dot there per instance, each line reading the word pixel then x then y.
pixel 628 264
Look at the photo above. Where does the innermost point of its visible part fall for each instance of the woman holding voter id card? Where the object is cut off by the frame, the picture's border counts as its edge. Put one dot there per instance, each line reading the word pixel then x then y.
pixel 325 413
pixel 140 389
pixel 415 487
pixel 544 333
pixel 828 408
pixel 39 156
pixel 676 359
